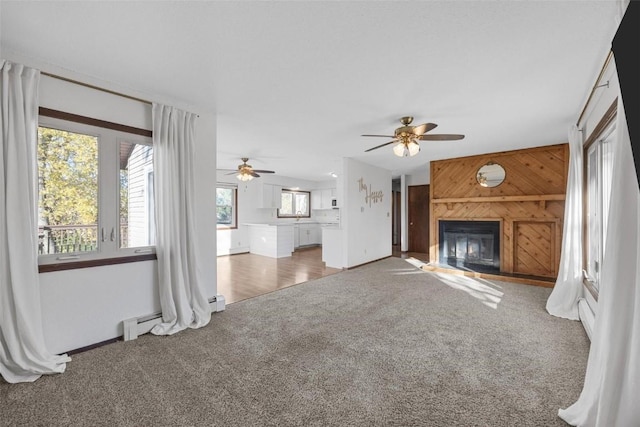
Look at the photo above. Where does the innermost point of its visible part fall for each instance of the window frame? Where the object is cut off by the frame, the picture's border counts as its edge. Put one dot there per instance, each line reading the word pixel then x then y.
pixel 603 130
pixel 307 214
pixel 109 137
pixel 234 207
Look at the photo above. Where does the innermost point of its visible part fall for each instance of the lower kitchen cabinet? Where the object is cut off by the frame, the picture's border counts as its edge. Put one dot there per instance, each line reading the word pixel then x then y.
pixel 307 234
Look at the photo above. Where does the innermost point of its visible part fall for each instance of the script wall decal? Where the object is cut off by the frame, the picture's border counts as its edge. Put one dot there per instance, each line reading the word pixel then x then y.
pixel 371 196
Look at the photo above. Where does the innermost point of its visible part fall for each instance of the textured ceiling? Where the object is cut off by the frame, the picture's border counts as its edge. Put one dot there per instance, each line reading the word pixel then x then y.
pixel 294 84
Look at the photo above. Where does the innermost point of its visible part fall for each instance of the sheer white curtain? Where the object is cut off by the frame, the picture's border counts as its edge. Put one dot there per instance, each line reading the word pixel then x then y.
pixel 23 354
pixel 563 301
pixel 612 381
pixel 182 292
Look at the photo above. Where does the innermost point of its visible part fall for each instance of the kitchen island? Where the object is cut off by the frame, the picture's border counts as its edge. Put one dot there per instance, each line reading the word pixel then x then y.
pixel 274 240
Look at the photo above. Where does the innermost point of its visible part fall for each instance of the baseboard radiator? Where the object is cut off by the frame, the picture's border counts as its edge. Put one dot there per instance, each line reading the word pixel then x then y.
pixel 586 316
pixel 137 326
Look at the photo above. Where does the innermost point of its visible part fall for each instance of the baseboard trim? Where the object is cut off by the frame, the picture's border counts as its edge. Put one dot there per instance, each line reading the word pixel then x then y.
pixel 92 346
pixel 234 251
pixel 365 263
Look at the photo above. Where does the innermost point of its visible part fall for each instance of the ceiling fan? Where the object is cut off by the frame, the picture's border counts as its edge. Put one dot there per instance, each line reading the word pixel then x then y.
pixel 246 172
pixel 406 137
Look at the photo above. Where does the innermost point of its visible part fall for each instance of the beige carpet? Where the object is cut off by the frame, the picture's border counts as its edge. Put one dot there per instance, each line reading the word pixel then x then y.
pixel 385 344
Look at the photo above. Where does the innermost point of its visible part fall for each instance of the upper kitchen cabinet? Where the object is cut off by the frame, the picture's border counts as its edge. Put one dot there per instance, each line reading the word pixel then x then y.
pixel 271 196
pixel 321 199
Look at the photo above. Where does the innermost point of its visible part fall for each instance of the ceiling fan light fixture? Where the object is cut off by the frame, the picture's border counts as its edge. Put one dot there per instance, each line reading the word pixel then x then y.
pixel 246 173
pixel 406 137
pixel 244 176
pixel 406 149
pixel 482 179
pixel 400 150
pixel 413 147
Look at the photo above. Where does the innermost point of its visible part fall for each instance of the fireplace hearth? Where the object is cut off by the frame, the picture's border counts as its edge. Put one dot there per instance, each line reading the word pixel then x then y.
pixel 470 245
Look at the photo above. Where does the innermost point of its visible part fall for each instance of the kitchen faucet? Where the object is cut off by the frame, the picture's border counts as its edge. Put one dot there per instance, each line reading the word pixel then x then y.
pixel 298 214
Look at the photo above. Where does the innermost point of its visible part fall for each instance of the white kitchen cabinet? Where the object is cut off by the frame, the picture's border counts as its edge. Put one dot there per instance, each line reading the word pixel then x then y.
pixel 316 199
pixel 326 198
pixel 304 236
pixel 314 234
pixel 321 199
pixel 309 234
pixel 271 196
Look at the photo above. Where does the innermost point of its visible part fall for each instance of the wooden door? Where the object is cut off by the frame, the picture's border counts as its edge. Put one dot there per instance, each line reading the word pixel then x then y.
pixel 418 201
pixel 395 219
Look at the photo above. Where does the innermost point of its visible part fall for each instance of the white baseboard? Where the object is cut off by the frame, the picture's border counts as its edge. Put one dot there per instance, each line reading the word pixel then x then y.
pixel 232 251
pixel 586 316
pixel 137 326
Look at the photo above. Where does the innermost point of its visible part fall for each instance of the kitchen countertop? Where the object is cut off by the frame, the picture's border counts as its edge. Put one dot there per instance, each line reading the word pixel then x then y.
pixel 292 223
pixel 269 224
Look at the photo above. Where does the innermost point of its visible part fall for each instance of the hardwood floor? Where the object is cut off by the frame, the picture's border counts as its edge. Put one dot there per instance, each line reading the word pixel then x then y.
pixel 248 275
pixel 395 251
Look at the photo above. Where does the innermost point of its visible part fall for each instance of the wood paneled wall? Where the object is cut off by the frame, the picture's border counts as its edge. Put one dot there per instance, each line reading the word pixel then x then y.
pixel 529 204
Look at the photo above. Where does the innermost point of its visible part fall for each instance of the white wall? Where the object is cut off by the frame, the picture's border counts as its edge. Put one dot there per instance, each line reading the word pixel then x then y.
pixel 233 241
pixel 86 306
pixel 366 222
pixel 420 176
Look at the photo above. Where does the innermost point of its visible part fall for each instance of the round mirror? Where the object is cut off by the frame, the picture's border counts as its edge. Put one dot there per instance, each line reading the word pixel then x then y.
pixel 490 175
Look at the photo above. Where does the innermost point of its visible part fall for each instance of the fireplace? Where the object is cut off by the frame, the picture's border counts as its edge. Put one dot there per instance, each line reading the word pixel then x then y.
pixel 472 245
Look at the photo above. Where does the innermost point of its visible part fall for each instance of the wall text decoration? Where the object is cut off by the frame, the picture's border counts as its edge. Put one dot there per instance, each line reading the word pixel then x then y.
pixel 370 197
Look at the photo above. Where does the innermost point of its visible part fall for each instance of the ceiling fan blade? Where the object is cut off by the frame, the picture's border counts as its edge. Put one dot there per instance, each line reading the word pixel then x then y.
pixel 262 171
pixel 231 173
pixel 440 137
pixel 382 145
pixel 254 174
pixel 425 127
pixel 383 136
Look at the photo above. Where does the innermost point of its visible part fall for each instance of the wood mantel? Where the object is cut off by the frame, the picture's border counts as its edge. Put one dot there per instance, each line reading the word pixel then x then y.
pixel 529 204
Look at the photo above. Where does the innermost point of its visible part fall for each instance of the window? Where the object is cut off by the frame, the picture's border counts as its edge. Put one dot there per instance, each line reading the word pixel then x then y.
pixel 137 218
pixel 295 204
pixel 95 192
pixel 226 206
pixel 599 170
pixel 67 191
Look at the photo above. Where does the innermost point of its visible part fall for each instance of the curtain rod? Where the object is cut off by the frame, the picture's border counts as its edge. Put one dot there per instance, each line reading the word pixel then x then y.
pixel 595 86
pixel 144 101
pixel 112 92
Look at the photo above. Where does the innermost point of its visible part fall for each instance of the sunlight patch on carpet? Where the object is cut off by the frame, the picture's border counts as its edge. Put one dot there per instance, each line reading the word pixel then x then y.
pixel 415 262
pixel 480 289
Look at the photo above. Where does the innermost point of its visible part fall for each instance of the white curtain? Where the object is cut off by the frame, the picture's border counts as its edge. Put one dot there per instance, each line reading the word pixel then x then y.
pixel 23 354
pixel 182 292
pixel 610 396
pixel 563 301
